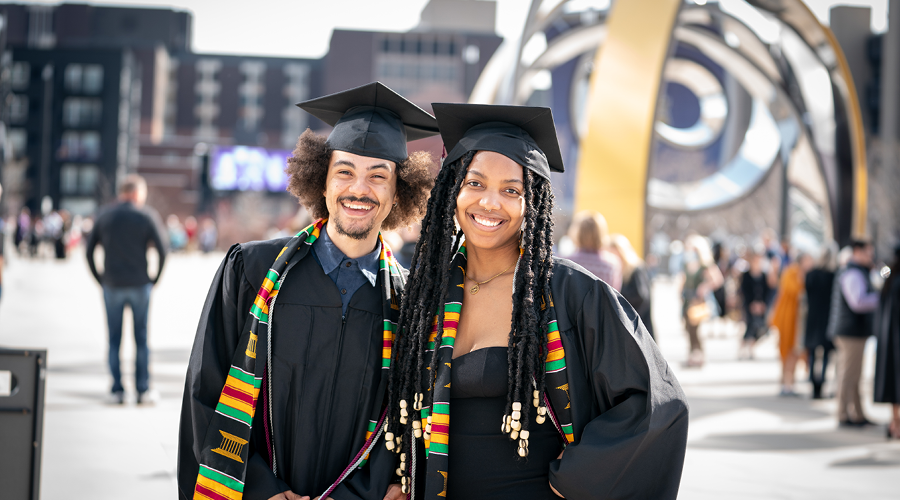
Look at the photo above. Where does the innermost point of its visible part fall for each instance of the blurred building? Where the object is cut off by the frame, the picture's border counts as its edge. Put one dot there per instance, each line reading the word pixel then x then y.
pixel 213 101
pixel 97 92
pixel 78 85
pixel 71 125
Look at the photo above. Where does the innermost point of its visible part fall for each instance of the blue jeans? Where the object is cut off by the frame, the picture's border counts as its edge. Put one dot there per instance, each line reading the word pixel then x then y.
pixel 138 299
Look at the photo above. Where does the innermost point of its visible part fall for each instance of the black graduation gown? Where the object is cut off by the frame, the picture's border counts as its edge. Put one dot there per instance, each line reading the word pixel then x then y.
pixel 629 414
pixel 325 374
pixel 887 358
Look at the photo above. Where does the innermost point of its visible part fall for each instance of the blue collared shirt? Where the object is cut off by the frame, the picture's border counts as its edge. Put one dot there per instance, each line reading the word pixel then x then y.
pixel 348 274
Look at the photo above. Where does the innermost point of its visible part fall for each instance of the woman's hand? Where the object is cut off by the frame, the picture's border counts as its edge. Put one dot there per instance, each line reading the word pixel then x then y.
pixel 557 493
pixel 394 492
pixel 551 484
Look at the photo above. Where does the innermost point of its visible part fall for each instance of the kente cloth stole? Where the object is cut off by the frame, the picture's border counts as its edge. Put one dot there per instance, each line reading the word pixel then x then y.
pixel 437 449
pixel 223 459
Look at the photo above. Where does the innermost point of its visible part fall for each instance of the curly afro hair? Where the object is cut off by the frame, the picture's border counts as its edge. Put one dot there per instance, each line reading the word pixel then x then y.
pixel 307 169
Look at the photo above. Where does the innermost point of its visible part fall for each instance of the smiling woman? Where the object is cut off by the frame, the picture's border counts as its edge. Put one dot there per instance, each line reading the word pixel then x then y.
pixel 492 324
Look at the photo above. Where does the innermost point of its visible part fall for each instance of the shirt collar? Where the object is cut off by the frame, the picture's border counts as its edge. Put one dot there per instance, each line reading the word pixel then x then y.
pixel 330 256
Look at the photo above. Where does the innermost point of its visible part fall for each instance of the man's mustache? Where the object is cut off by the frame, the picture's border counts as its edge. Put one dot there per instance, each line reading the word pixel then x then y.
pixel 361 200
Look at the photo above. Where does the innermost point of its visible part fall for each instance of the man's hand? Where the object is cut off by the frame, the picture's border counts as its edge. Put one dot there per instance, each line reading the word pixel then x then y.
pixel 394 492
pixel 289 495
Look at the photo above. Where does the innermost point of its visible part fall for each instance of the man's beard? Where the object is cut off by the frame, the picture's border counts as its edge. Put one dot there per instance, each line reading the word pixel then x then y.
pixel 356 234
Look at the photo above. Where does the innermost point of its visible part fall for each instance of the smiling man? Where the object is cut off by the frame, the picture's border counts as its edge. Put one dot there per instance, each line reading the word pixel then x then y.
pixel 293 421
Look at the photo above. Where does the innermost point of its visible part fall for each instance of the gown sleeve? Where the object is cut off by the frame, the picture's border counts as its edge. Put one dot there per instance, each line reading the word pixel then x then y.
pixel 634 445
pixel 221 322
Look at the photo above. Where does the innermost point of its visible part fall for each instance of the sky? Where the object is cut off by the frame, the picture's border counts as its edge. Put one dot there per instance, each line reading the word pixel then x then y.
pixel 302 28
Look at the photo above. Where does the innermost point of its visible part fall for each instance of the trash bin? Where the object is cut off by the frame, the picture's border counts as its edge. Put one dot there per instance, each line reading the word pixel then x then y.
pixel 22 374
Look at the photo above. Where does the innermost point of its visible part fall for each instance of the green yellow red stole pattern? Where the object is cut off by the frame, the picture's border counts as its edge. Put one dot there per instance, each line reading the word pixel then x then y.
pixel 223 460
pixel 437 449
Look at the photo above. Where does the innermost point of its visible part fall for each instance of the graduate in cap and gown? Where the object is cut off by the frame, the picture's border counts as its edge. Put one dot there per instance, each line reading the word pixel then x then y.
pixel 288 373
pixel 517 374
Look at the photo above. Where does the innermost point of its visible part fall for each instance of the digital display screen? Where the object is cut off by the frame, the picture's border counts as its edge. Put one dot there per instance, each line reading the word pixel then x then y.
pixel 247 168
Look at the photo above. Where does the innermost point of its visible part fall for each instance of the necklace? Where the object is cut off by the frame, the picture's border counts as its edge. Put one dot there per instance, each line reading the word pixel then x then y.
pixel 478 284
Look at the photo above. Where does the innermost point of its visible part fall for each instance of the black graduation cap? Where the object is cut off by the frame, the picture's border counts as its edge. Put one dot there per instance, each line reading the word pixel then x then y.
pixel 525 134
pixel 372 121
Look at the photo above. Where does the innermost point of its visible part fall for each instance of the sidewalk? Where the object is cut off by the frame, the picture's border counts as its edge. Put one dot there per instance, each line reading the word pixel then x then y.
pixel 92 450
pixel 745 442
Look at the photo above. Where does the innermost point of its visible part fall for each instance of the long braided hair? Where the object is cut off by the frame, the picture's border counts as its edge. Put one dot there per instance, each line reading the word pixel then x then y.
pixel 427 289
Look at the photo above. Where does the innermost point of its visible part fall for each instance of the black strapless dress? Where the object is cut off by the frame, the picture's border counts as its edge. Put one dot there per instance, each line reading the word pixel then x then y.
pixel 484 463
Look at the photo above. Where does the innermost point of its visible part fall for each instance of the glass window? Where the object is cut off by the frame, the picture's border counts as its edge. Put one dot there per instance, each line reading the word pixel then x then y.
pixel 68 179
pixel 18 108
pixel 72 77
pixel 90 145
pixel 93 79
pixel 21 74
pixel 79 145
pixel 71 112
pixel 18 141
pixel 87 181
pixel 81 112
pixel 78 179
pixel 70 145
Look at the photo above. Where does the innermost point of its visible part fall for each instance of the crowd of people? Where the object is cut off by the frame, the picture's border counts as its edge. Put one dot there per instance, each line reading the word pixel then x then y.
pixel 54 234
pixel 819 303
pixel 191 235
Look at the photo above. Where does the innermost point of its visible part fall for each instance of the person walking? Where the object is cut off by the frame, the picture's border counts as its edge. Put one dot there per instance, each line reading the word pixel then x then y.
pixel 591 236
pixel 819 285
pixel 635 279
pixel 722 257
pixel 853 302
pixel 701 277
pixel 786 314
pixel 887 361
pixel 757 284
pixel 125 230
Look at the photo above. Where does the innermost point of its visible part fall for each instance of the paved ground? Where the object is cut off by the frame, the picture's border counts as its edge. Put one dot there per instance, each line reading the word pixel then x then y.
pixel 745 442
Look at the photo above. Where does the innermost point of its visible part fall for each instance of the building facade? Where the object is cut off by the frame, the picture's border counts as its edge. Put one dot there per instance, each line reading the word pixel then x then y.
pixel 97 92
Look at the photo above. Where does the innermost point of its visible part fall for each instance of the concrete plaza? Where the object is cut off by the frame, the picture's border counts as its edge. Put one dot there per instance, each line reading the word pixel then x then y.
pixel 745 442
